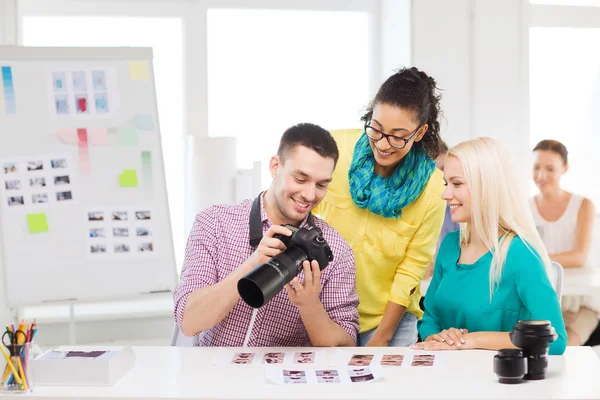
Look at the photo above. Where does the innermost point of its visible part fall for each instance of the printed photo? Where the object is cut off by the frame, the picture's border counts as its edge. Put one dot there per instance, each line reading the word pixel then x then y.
pixel 81 103
pixel 37 182
pixel 294 376
pixel 119 215
pixel 97 232
pixel 423 360
pixel 120 232
pixel 39 198
pixel 96 216
pixel 242 358
pixel 361 360
pixel 360 375
pixel 59 81
pixel 327 376
pixel 61 196
pixel 121 248
pixel 101 103
pixel 84 354
pixel 392 360
pixel 304 358
pixel 79 83
pixel 16 201
pixel 142 215
pixel 273 358
pixel 35 165
pixel 61 102
pixel 146 247
pixel 99 80
pixel 13 185
pixel 98 248
pixel 10 168
pixel 142 231
pixel 62 180
pixel 59 163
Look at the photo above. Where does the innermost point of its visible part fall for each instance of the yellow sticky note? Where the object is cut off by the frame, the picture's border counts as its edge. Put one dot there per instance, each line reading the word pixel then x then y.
pixel 128 178
pixel 37 223
pixel 138 70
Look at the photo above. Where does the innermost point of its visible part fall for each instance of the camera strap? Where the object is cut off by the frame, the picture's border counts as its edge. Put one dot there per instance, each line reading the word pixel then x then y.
pixel 256 231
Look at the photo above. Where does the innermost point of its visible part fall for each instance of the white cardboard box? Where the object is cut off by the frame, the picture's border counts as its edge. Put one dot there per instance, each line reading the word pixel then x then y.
pixel 78 366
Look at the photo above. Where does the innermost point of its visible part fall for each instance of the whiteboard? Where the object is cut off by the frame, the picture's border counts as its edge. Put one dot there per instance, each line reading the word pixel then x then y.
pixel 84 213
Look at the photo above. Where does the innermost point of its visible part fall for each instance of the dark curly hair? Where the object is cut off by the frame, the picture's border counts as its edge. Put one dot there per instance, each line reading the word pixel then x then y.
pixel 413 90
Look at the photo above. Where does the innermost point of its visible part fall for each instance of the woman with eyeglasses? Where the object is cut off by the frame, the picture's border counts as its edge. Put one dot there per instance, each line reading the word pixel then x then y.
pixel 385 199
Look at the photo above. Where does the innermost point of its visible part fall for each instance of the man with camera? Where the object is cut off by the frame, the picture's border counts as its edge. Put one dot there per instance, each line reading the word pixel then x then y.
pixel 227 242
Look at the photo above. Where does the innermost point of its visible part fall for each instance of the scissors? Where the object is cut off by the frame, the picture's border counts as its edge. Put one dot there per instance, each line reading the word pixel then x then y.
pixel 14 345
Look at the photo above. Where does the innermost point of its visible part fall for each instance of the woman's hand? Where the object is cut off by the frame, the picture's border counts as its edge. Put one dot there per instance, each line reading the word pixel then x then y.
pixel 435 346
pixel 452 336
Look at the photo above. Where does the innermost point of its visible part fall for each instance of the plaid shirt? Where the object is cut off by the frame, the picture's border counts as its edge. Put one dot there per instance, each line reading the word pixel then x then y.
pixel 219 243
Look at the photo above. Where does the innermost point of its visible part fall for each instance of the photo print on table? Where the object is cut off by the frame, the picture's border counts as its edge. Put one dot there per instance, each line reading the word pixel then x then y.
pixel 14 184
pixel 392 360
pixel 307 357
pixel 360 375
pixel 327 376
pixel 273 358
pixel 423 360
pixel 242 358
pixel 361 360
pixel 294 377
pixel 10 168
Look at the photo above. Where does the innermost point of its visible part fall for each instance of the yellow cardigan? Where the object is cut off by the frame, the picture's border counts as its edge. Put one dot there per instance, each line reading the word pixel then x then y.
pixel 391 254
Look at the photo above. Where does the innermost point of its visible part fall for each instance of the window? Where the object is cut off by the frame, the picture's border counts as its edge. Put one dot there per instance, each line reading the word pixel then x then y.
pixel 271 69
pixel 164 35
pixel 564 86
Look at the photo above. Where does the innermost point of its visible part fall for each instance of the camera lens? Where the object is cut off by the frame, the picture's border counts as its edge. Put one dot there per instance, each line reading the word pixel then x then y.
pixel 534 338
pixel 509 365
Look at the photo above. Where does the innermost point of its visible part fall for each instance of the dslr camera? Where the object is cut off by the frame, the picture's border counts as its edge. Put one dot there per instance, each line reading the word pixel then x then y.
pixel 265 281
pixel 530 361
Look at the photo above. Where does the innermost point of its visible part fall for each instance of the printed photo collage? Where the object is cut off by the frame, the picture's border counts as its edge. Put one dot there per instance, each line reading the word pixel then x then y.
pixel 119 232
pixel 284 376
pixel 80 92
pixel 344 358
pixel 36 181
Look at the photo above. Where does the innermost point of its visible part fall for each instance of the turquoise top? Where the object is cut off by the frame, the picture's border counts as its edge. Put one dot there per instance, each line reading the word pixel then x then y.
pixel 458 296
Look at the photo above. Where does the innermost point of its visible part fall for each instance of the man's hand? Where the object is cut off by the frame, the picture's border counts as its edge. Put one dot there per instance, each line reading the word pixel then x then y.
pixel 307 294
pixel 269 246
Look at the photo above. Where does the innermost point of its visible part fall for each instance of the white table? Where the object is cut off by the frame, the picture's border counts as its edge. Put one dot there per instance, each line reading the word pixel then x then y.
pixel 581 282
pixel 186 373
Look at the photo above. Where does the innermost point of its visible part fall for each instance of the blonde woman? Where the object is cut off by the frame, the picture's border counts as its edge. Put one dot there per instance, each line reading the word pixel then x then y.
pixel 494 271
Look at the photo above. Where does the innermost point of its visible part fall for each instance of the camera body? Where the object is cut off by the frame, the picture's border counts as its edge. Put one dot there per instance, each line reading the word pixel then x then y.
pixel 532 337
pixel 310 240
pixel 265 281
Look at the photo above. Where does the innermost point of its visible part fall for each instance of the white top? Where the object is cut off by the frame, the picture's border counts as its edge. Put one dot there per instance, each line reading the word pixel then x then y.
pixel 558 237
pixel 163 372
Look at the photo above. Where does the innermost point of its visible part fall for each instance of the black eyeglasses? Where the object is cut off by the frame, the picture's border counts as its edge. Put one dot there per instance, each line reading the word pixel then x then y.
pixel 394 141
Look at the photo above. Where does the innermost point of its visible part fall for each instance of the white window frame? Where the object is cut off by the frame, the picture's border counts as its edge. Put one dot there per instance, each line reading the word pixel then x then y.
pixel 194 16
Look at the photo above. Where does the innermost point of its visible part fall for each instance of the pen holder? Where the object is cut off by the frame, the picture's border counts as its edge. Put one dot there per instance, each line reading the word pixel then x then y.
pixel 19 357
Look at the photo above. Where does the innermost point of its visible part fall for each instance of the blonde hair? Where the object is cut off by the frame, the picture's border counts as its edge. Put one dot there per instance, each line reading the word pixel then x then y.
pixel 499 206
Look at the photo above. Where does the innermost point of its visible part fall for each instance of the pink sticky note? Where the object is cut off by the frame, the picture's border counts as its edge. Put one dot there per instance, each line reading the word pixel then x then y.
pixel 98 136
pixel 68 135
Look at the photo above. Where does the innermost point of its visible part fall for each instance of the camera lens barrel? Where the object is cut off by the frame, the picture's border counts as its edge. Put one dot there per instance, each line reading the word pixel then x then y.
pixel 534 338
pixel 509 365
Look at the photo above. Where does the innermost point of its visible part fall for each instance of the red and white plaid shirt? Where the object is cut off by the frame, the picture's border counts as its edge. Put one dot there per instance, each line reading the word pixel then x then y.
pixel 219 243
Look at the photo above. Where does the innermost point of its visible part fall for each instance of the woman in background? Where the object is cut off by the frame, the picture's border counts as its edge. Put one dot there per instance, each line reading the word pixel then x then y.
pixel 494 271
pixel 384 199
pixel 566 224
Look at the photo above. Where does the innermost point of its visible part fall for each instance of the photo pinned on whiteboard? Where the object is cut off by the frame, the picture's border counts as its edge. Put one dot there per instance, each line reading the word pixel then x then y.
pixel 10 168
pixel 59 81
pixel 101 103
pixel 39 198
pixel 96 216
pixel 13 185
pixel 59 163
pixel 81 103
pixel 36 165
pixel 62 180
pixel 16 201
pixel 61 102
pixel 79 82
pixel 99 80
pixel 37 182
pixel 97 233
pixel 63 196
pixel 119 215
pixel 120 232
pixel 98 248
pixel 142 215
pixel 145 247
pixel 140 231
pixel 122 248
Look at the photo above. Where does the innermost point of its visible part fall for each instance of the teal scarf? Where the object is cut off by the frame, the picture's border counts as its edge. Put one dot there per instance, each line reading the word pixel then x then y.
pixel 388 196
